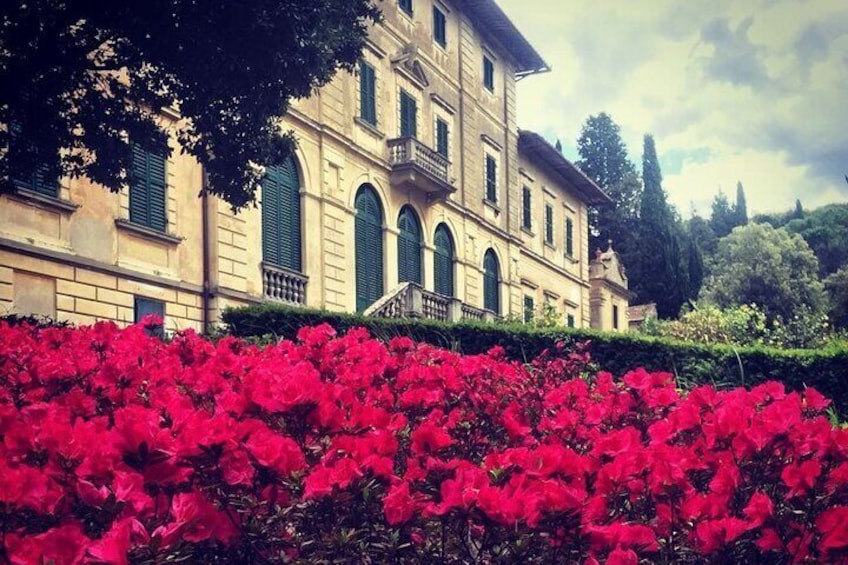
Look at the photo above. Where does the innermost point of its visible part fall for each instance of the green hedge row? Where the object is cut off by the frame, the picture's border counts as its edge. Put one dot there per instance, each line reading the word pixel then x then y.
pixel 826 370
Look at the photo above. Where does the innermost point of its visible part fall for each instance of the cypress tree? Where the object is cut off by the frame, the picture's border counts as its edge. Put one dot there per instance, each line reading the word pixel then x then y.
pixel 741 208
pixel 660 277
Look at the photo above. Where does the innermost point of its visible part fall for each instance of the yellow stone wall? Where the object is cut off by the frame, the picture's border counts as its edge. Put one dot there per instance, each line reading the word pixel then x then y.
pixel 86 267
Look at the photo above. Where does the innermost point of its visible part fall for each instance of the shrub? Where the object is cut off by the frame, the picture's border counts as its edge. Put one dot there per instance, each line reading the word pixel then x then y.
pixel 117 447
pixel 825 369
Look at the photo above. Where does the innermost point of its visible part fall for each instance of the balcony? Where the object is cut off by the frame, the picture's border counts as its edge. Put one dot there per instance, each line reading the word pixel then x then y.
pixel 418 167
pixel 282 285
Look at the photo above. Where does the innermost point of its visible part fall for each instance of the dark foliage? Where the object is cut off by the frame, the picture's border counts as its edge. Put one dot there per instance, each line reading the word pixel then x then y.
pixel 824 369
pixel 81 80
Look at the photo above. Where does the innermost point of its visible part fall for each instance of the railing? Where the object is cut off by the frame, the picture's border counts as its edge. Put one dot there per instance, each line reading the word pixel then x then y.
pixel 282 285
pixel 471 313
pixel 435 306
pixel 393 304
pixel 410 300
pixel 408 150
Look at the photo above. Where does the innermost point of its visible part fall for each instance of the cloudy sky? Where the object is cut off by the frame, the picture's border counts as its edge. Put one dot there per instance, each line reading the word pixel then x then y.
pixel 732 90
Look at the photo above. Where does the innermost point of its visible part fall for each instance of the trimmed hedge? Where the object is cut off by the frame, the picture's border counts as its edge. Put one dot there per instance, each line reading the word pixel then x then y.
pixel 824 369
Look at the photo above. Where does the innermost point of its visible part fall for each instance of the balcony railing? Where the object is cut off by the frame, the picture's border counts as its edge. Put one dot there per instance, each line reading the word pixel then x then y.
pixel 410 300
pixel 416 165
pixel 282 285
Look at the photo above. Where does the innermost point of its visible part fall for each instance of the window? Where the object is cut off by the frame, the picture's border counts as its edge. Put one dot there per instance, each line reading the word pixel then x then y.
pixel 549 224
pixel 148 202
pixel 147 306
pixel 443 261
pixel 570 320
pixel 529 309
pixel 406 6
pixel 38 181
pixel 408 115
pixel 491 179
pixel 614 317
pixel 569 237
pixel 409 246
pixel 281 228
pixel 440 33
pixel 368 239
pixel 491 282
pixel 526 207
pixel 442 137
pixel 367 94
pixel 488 74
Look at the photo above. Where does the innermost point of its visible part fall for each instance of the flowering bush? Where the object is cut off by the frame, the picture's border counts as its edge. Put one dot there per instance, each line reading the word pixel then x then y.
pixel 116 447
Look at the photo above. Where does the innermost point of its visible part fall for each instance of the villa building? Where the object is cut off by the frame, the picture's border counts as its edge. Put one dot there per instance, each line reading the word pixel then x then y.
pixel 412 191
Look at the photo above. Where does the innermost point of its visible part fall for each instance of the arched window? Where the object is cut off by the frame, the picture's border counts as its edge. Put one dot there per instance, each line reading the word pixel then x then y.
pixel 368 230
pixel 443 261
pixel 281 230
pixel 491 282
pixel 409 246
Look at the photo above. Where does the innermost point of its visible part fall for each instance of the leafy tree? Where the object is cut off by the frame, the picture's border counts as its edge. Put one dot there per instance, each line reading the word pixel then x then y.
pixel 81 80
pixel 836 286
pixel 825 229
pixel 722 219
pixel 740 209
pixel 702 234
pixel 758 264
pixel 659 275
pixel 603 155
pixel 603 158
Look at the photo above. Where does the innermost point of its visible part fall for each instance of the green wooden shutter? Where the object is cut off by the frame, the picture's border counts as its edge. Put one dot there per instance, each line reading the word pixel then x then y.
pixel 569 237
pixel 549 224
pixel 368 232
pixel 408 115
pixel 491 279
pixel 409 246
pixel 270 218
pixel 281 226
pixel 488 74
pixel 570 320
pixel 442 137
pixel 148 189
pixel 38 181
pixel 529 309
pixel 491 179
pixel 158 192
pixel 526 207
pixel 439 27
pixel 139 197
pixel 443 261
pixel 367 93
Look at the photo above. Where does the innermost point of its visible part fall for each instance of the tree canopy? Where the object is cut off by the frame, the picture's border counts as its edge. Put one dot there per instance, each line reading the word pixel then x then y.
pixel 82 80
pixel 758 264
pixel 603 158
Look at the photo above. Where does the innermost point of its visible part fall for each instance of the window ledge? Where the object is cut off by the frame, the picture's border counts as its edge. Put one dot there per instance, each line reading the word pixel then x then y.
pixel 147 232
pixel 528 231
pixel 50 202
pixel 370 128
pixel 493 205
pixel 571 259
pixel 550 245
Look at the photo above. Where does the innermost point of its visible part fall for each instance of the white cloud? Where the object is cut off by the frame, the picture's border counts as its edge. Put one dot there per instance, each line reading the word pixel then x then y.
pixel 750 91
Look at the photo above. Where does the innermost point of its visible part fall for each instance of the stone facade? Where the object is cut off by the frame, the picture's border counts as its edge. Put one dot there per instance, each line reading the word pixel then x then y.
pixel 77 257
pixel 609 295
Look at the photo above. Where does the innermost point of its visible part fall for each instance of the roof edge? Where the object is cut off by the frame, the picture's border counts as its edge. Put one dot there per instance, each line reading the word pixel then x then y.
pixel 533 143
pixel 497 23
